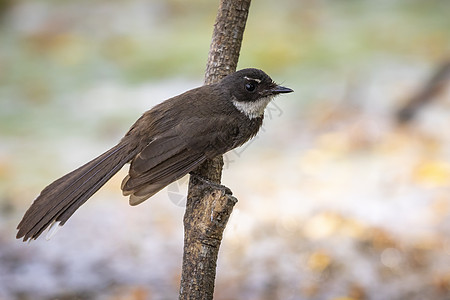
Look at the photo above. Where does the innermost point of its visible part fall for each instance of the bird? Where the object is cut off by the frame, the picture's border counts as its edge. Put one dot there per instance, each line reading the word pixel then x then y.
pixel 167 142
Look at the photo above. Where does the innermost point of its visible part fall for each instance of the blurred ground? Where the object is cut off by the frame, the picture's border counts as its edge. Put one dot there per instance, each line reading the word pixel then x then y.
pixel 336 200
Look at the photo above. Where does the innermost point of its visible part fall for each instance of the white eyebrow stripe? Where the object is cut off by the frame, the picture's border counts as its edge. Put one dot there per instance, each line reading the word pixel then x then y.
pixel 253 79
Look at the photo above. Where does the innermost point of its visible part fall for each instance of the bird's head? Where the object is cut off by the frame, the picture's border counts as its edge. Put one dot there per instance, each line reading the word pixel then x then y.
pixel 251 90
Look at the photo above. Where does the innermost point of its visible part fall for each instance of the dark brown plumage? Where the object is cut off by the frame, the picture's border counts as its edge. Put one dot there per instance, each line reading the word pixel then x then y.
pixel 164 144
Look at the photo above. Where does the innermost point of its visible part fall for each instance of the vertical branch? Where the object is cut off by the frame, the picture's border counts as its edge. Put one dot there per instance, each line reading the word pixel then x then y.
pixel 209 205
pixel 227 39
pixel 223 59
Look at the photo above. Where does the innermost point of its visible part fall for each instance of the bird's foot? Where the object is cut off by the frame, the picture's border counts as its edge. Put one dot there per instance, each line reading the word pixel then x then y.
pixel 197 179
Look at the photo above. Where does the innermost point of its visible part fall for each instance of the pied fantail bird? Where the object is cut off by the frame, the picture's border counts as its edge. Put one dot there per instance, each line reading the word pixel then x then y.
pixel 164 144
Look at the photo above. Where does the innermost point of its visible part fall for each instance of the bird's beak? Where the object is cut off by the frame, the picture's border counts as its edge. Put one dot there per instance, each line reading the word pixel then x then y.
pixel 281 90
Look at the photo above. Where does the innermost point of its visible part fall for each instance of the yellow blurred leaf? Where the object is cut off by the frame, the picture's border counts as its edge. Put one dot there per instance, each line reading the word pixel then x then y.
pixel 435 173
pixel 322 225
pixel 132 293
pixel 353 228
pixel 381 239
pixel 336 142
pixel 319 261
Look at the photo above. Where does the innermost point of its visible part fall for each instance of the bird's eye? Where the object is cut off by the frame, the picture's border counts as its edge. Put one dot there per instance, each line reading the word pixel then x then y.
pixel 250 87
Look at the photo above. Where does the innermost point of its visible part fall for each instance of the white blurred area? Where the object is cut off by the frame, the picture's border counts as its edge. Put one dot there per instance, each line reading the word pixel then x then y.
pixel 336 200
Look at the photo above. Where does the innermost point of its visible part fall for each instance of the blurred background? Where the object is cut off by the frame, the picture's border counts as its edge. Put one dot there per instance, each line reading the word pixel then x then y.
pixel 344 194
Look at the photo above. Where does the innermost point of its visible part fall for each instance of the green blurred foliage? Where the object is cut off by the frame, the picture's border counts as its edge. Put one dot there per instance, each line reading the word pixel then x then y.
pixel 51 49
pixel 279 35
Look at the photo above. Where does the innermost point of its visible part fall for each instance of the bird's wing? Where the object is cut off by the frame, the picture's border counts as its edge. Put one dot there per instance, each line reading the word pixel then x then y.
pixel 169 157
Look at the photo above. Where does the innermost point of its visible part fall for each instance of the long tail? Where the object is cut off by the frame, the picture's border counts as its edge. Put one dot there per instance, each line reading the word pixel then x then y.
pixel 58 201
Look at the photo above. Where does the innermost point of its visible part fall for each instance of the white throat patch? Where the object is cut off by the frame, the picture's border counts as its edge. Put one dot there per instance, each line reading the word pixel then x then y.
pixel 252 109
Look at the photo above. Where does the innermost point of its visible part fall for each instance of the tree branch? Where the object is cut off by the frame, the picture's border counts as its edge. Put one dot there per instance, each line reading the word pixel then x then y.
pixel 433 87
pixel 209 205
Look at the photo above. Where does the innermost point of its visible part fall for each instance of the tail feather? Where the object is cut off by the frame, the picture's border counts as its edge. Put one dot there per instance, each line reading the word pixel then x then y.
pixel 58 201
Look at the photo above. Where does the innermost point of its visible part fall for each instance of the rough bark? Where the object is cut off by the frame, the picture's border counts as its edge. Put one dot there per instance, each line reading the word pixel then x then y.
pixel 207 212
pixel 209 205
